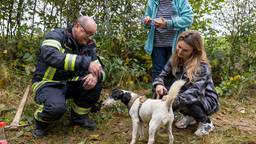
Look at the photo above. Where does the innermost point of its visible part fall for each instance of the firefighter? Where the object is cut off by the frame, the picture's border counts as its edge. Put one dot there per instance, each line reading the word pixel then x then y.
pixel 68 67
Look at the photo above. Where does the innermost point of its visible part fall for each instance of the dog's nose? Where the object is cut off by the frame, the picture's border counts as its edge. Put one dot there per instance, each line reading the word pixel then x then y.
pixel 103 104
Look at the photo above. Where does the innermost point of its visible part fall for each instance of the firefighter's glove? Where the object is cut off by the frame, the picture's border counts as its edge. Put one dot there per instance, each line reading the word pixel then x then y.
pixel 96 107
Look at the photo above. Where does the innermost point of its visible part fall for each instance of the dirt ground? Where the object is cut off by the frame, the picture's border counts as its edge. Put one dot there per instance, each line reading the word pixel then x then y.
pixel 235 122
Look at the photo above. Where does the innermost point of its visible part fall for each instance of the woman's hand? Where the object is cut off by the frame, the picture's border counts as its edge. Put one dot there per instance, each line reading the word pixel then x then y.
pixel 160 24
pixel 147 20
pixel 164 98
pixel 160 89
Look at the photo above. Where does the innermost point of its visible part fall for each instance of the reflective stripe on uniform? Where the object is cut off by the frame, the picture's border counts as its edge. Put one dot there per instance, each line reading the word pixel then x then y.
pixel 48 75
pixel 103 73
pixel 98 101
pixel 97 61
pixel 80 110
pixel 50 72
pixel 51 42
pixel 37 85
pixel 40 110
pixel 104 76
pixel 74 78
pixel 70 62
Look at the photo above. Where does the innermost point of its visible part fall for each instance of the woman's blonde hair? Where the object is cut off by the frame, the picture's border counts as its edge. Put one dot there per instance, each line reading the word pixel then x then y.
pixel 198 55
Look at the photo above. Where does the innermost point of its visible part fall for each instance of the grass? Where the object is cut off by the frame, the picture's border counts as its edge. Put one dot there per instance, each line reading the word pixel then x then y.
pixel 114 126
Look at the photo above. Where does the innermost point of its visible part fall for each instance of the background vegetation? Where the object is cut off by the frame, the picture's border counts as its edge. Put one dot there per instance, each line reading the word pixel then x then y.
pixel 228 28
pixel 120 38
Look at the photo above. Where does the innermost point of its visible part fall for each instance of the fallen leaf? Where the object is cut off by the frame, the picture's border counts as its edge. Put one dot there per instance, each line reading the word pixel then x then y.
pixel 218 117
pixel 127 131
pixel 225 120
pixel 240 108
pixel 28 135
pixel 128 139
pixel 94 137
pixel 223 112
pixel 75 127
pixel 21 142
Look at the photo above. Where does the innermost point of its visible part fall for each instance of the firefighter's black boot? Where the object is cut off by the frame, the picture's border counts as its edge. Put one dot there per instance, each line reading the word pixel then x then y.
pixel 85 122
pixel 39 129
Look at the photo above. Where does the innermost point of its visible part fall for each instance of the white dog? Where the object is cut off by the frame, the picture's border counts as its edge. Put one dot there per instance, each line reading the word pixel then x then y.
pixel 155 112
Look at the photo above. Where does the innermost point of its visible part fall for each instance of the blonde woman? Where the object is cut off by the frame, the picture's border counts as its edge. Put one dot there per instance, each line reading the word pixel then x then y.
pixel 198 98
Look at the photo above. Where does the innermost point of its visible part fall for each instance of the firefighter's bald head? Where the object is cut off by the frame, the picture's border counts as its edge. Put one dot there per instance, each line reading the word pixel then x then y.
pixel 84 29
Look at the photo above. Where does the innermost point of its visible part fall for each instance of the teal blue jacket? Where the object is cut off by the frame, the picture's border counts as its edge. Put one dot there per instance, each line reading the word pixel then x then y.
pixel 181 23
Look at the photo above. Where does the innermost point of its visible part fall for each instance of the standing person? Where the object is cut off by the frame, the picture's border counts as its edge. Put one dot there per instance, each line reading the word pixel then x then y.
pixel 68 67
pixel 161 40
pixel 198 98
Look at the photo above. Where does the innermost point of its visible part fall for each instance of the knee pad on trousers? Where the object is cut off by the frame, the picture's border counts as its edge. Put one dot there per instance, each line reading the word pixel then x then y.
pixel 53 111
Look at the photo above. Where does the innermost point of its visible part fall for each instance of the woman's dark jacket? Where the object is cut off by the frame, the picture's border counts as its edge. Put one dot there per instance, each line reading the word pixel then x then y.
pixel 202 90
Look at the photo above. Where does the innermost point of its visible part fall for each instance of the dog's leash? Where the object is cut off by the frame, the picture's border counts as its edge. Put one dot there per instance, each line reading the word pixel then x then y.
pixel 158 95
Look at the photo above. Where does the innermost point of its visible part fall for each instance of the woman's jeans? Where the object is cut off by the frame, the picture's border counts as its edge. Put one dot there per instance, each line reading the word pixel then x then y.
pixel 196 110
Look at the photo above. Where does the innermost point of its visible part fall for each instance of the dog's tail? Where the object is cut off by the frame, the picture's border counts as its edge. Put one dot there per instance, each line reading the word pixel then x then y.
pixel 174 91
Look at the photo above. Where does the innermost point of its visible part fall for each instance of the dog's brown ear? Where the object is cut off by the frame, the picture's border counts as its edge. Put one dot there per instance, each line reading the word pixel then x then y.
pixel 117 94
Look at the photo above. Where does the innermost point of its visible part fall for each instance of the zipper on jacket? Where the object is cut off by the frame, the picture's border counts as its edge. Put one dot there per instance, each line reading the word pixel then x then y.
pixel 73 41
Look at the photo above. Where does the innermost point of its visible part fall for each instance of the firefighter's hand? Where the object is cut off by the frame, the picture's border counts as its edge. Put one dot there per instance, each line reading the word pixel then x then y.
pixel 95 108
pixel 90 81
pixel 160 24
pixel 95 69
pixel 147 20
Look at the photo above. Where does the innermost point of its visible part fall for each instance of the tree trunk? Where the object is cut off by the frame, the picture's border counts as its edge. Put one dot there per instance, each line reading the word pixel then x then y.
pixel 19 15
pixel 33 19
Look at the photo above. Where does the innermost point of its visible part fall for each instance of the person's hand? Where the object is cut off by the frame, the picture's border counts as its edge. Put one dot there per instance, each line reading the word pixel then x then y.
pixel 90 81
pixel 160 24
pixel 164 98
pixel 147 20
pixel 95 69
pixel 160 89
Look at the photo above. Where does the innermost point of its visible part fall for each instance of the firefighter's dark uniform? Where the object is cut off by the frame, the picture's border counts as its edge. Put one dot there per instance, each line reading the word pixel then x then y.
pixel 61 65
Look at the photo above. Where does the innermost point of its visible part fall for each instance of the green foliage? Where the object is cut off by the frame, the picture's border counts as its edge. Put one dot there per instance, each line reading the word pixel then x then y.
pixel 120 37
pixel 233 56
